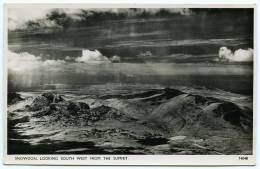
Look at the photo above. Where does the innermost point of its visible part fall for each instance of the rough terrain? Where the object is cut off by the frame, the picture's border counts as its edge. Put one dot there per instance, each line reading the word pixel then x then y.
pixel 153 121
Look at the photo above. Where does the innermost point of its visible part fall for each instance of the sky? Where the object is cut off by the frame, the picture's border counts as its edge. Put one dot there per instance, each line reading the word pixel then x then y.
pixel 183 38
pixel 131 48
pixel 19 16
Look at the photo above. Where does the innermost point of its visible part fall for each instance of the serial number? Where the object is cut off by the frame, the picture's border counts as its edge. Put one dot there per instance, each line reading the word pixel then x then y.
pixel 243 158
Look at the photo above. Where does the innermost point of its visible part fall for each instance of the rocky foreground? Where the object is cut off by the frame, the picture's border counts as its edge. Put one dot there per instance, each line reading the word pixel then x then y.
pixel 157 121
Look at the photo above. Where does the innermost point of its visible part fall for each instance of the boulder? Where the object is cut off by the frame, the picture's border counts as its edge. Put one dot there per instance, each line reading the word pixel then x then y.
pixel 38 103
pixel 49 95
pixel 52 97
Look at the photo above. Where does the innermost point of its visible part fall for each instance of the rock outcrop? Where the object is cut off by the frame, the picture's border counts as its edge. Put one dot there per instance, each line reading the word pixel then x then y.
pixel 13 98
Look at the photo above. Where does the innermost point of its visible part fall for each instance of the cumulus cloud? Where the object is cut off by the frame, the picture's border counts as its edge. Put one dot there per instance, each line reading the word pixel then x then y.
pixel 68 58
pixel 115 59
pixel 25 61
pixel 89 56
pixel 22 61
pixel 240 55
pixel 244 55
pixel 225 53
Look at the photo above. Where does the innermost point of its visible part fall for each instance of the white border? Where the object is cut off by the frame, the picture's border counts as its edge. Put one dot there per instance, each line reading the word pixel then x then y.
pixel 144 160
pixel 185 160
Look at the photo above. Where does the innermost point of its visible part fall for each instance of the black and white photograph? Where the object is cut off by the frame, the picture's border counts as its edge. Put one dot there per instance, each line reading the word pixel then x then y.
pixel 129 81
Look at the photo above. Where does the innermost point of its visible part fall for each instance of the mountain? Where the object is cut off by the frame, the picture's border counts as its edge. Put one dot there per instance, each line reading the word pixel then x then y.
pixel 151 121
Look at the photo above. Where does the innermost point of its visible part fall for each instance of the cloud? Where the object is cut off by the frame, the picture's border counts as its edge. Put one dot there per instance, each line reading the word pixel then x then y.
pixel 244 55
pixel 115 59
pixel 22 61
pixel 54 62
pixel 17 17
pixel 138 11
pixel 89 56
pixel 239 55
pixel 225 53
pixel 68 58
pixel 25 61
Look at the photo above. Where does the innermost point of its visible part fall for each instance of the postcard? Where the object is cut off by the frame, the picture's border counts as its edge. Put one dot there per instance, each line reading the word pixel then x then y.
pixel 129 84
